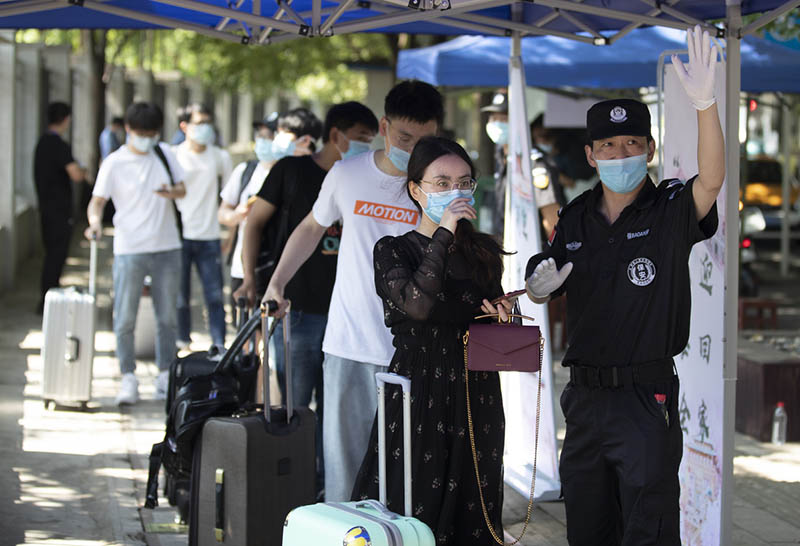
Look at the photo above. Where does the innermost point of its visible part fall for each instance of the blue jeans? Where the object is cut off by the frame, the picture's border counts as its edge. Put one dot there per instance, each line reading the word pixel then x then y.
pixel 307 329
pixel 207 256
pixel 129 271
pixel 351 401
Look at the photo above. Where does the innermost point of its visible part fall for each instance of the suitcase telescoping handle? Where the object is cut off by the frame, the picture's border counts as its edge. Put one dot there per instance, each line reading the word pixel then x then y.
pixel 267 308
pixel 93 265
pixel 381 379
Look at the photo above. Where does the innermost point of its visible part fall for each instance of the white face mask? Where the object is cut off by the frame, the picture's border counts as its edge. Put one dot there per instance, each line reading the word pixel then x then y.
pixel 202 133
pixel 142 144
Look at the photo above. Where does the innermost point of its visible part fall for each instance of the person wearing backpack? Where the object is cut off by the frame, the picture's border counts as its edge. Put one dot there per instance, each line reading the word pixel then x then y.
pixel 205 165
pixel 288 194
pixel 142 178
pixel 237 195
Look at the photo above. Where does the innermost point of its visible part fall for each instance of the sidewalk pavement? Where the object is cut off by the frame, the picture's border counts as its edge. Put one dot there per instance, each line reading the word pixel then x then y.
pixel 78 478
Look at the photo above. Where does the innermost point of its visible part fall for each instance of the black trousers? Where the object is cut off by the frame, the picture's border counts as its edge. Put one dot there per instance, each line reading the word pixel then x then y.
pixel 56 235
pixel 619 465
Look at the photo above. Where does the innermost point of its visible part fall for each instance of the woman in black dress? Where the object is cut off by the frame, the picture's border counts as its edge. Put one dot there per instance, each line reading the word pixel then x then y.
pixel 433 281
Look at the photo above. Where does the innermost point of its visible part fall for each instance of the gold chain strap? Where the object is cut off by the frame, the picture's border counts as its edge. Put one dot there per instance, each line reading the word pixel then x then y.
pixel 498 539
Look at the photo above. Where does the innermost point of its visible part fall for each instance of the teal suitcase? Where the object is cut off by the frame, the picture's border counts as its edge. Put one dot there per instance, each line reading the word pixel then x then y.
pixel 365 523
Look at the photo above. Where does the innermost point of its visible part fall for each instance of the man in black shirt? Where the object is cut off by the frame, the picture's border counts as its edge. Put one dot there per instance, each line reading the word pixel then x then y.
pixel 292 187
pixel 54 172
pixel 621 253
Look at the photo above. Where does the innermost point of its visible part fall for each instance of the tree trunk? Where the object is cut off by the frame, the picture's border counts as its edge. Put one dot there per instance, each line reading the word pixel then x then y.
pixel 94 46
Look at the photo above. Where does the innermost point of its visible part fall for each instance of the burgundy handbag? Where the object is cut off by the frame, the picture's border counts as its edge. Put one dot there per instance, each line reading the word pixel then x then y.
pixel 503 347
pixel 499 347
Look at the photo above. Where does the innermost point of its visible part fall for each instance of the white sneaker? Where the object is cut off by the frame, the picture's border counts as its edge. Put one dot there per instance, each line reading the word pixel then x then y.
pixel 162 384
pixel 183 343
pixel 128 390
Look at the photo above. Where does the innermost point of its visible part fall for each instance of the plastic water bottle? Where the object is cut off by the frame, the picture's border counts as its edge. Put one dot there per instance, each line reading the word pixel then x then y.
pixel 779 425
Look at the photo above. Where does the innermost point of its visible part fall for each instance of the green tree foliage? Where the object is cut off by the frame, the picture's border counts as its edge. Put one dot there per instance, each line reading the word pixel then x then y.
pixel 312 67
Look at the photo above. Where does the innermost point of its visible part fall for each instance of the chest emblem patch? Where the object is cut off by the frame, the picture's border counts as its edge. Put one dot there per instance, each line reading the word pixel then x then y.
pixel 641 271
pixel 574 245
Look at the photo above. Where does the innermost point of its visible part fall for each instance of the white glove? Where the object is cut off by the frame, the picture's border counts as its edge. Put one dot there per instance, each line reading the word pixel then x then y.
pixel 546 278
pixel 698 79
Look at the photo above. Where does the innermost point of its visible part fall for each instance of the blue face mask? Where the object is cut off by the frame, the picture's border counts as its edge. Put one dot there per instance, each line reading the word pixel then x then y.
pixel 202 134
pixel 142 144
pixel 438 201
pixel 283 145
pixel 399 158
pixel 356 147
pixel 264 150
pixel 622 175
pixel 545 148
pixel 498 132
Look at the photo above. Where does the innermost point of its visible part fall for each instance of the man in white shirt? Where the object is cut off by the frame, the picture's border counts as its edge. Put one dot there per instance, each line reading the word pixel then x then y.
pixel 368 195
pixel 142 181
pixel 205 166
pixel 238 194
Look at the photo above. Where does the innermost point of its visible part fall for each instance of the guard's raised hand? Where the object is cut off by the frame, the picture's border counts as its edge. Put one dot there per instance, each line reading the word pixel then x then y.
pixel 546 278
pixel 698 78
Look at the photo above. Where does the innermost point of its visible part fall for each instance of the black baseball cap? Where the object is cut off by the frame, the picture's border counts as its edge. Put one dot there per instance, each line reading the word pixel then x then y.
pixel 618 117
pixel 499 103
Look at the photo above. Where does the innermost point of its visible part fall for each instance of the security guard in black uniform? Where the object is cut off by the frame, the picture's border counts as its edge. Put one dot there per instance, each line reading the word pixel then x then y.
pixel 621 253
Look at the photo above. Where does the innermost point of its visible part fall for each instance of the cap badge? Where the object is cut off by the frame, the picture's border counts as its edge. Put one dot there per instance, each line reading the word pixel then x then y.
pixel 619 115
pixel 499 98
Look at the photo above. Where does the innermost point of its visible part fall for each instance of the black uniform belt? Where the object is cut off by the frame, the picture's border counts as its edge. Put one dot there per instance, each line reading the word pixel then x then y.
pixel 621 376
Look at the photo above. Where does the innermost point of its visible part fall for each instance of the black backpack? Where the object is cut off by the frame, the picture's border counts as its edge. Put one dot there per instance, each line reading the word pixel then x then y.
pixel 192 400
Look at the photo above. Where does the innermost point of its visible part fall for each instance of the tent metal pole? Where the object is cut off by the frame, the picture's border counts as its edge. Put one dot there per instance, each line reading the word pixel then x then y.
pixel 29 7
pixel 316 15
pixel 371 23
pixel 202 7
pixel 580 24
pixel 786 129
pixel 633 26
pixel 462 22
pixel 565 5
pixel 674 12
pixel 769 17
pixel 291 12
pixel 340 9
pixel 161 21
pixel 733 86
pixel 522 27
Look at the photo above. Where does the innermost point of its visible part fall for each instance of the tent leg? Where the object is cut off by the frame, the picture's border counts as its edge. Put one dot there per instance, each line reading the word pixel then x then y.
pixel 786 124
pixel 733 86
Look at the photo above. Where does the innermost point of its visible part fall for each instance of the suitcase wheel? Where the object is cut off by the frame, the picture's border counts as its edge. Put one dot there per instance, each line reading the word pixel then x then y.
pixel 47 403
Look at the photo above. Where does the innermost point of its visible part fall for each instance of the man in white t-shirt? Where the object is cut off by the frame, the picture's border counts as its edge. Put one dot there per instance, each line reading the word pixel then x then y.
pixel 244 182
pixel 367 193
pixel 205 166
pixel 142 181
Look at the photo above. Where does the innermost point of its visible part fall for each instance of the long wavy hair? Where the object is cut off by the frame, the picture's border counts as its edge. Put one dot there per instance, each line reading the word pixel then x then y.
pixel 482 251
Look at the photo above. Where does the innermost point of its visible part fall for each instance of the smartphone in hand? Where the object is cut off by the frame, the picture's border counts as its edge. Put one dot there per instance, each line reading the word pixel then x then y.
pixel 511 296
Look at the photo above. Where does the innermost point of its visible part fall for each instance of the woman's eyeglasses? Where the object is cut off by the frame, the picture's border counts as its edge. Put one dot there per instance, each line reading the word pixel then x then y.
pixel 465 184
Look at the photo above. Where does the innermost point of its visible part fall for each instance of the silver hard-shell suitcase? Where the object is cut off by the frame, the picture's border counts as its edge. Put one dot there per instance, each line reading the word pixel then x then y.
pixel 68 327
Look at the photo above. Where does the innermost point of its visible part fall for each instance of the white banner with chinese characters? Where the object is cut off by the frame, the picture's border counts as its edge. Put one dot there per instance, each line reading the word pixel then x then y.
pixel 700 366
pixel 522 235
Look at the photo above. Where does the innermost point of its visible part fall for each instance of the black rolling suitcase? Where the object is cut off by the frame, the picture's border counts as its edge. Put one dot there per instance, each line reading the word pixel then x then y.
pixel 254 468
pixel 201 386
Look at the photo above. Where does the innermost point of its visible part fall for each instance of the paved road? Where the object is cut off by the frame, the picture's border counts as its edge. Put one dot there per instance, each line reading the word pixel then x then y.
pixel 77 478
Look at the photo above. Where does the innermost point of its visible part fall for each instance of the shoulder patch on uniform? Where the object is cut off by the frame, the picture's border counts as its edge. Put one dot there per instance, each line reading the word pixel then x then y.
pixel 672 185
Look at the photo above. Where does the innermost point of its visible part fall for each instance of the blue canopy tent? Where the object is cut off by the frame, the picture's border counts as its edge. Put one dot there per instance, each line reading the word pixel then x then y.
pixel 556 62
pixel 259 21
pixel 262 22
